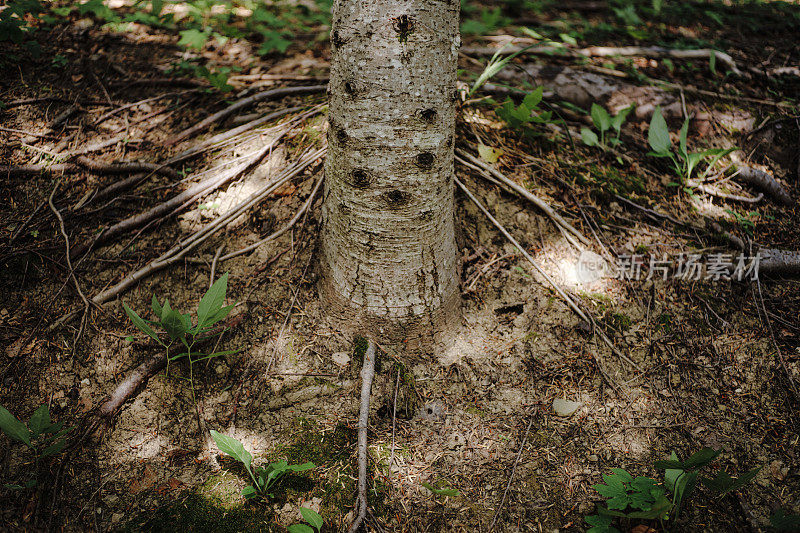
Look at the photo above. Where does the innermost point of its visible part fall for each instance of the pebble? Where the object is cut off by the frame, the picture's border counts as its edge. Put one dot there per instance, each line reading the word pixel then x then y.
pixel 341 358
pixel 564 407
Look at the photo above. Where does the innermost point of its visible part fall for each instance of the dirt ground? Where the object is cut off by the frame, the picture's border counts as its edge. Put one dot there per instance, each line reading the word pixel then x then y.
pixel 706 363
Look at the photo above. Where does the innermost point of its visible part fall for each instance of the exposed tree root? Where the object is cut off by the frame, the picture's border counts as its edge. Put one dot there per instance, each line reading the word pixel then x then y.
pixel 764 181
pixel 84 163
pixel 367 374
pixel 188 244
pixel 779 262
pixel 191 194
pixel 132 383
pixel 244 102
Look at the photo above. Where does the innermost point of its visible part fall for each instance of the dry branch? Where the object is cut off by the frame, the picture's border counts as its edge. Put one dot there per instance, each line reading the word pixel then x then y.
pixel 84 163
pixel 244 102
pixel 367 374
pixel 606 51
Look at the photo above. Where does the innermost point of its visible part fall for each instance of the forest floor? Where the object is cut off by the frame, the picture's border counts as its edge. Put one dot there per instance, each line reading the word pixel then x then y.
pixel 705 363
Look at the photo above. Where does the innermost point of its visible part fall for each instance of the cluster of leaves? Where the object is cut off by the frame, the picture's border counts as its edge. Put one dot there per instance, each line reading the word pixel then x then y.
pixel 40 434
pixel 265 480
pixel 181 330
pixel 604 122
pixel 645 498
pixel 684 162
pixel 487 21
pixel 522 116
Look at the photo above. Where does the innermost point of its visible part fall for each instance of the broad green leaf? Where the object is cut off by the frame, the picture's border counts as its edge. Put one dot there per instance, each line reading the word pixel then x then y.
pixel 300 528
pixel 156 307
pixel 40 420
pixel 301 468
pixel 691 162
pixel 249 492
pixel 702 458
pixel 193 38
pixel 489 154
pixel 599 520
pixel 211 302
pixel 658 134
pixel 312 517
pixel 589 137
pixel 441 492
pixel 723 483
pixel 785 522
pixel 55 428
pixel 622 475
pixel 140 324
pixel 600 118
pixel 172 322
pixel 660 509
pixel 682 138
pixel 532 99
pixel 684 486
pixel 619 118
pixel 13 427
pixel 232 447
pixel 54 448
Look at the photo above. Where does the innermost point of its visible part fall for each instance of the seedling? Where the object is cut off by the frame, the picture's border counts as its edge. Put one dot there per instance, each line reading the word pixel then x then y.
pixel 685 162
pixel 310 516
pixel 181 330
pixel 644 498
pixel 40 434
pixel 604 122
pixel 441 492
pixel 519 117
pixel 265 480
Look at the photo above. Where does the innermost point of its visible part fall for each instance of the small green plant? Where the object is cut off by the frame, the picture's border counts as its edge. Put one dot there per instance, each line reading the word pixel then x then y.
pixel 644 498
pixel 310 516
pixel 520 117
pixel 685 162
pixel 488 21
pixel 604 122
pixel 441 492
pixel 780 521
pixel 495 65
pixel 181 330
pixel 40 434
pixel 265 480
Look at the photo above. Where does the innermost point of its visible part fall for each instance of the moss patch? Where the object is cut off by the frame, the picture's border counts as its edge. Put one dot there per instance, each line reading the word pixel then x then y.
pixel 196 513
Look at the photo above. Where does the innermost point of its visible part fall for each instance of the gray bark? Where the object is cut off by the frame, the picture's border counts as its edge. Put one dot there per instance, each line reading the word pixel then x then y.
pixel 387 249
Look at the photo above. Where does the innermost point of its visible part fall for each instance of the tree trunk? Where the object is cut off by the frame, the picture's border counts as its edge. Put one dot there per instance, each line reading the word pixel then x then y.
pixel 387 251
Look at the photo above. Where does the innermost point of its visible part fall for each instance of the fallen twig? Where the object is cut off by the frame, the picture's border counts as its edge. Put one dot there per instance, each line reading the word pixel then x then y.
pixel 84 163
pixel 511 476
pixel 367 374
pixel 244 102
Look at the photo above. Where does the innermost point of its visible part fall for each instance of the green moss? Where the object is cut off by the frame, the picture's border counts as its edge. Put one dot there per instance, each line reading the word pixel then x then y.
pixel 196 513
pixel 223 489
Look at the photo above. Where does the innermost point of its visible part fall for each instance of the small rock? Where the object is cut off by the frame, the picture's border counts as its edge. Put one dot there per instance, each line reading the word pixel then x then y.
pixel 341 358
pixel 116 518
pixel 564 407
pixel 593 458
pixel 85 382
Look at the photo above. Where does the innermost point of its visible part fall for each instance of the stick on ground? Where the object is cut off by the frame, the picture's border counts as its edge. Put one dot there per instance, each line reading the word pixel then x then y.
pixel 367 374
